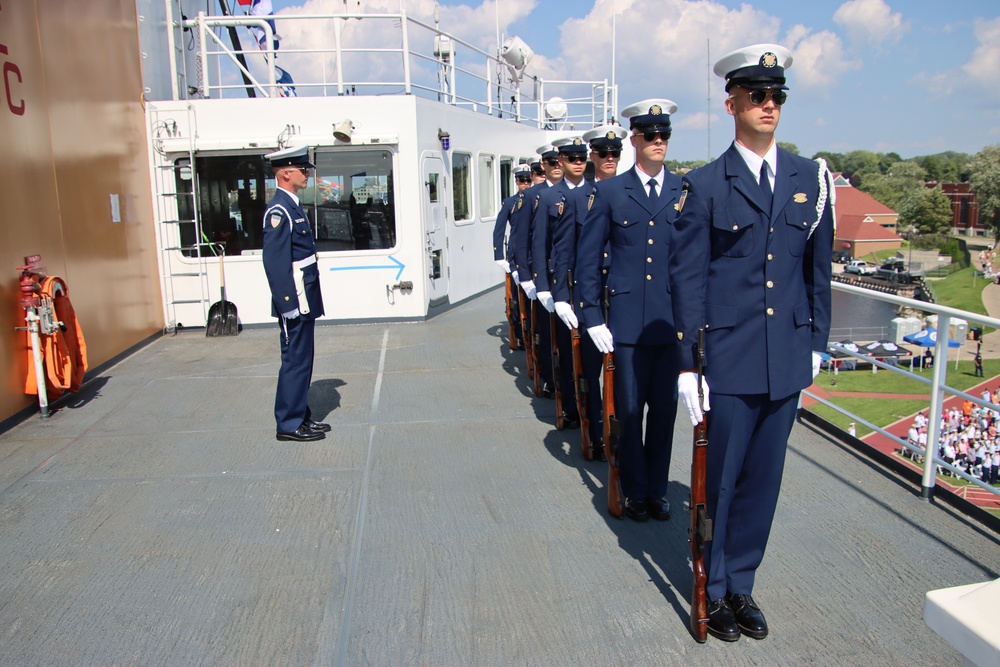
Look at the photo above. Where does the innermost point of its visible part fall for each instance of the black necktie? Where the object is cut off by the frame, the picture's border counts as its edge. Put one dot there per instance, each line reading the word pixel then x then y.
pixel 652 193
pixel 765 187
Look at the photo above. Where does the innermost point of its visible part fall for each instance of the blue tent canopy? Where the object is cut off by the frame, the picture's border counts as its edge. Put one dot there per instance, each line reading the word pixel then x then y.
pixel 928 338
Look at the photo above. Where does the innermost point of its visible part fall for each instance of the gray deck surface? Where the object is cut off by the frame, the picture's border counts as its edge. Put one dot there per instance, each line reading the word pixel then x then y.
pixel 155 520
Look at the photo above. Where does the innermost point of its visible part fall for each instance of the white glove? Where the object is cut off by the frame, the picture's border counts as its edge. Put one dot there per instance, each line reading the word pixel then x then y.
pixel 291 315
pixel 529 289
pixel 601 336
pixel 687 391
pixel 566 314
pixel 817 363
pixel 513 274
pixel 503 264
pixel 545 298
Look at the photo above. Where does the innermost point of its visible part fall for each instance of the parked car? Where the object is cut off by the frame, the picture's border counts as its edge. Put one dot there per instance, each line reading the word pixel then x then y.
pixel 895 271
pixel 860 267
pixel 841 257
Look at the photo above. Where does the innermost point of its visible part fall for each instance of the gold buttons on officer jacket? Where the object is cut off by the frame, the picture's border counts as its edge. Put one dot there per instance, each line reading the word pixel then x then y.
pixel 649 277
pixel 769 283
pixel 804 223
pixel 770 257
pixel 650 223
pixel 649 260
pixel 771 230
pixel 604 271
pixel 650 241
pixel 286 298
pixel 624 222
pixel 735 227
pixel 770 311
pixel 605 254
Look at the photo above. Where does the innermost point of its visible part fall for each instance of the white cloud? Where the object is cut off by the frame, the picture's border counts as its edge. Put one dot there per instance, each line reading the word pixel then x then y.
pixel 819 59
pixel 870 22
pixel 980 76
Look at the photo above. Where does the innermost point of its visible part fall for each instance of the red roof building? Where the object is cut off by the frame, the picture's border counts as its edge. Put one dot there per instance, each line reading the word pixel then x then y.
pixel 864 225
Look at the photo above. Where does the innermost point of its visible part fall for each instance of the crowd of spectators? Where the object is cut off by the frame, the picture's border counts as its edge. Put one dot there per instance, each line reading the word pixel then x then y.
pixel 969 438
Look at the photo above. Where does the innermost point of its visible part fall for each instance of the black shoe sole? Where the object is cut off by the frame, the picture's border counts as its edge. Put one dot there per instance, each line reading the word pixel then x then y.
pixel 724 636
pixel 291 437
pixel 753 634
pixel 660 517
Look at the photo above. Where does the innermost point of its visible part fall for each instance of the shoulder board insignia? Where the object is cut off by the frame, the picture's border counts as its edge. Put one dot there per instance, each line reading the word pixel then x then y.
pixel 680 203
pixel 519 202
pixel 559 208
pixel 275 219
pixel 535 204
pixel 590 201
pixel 800 198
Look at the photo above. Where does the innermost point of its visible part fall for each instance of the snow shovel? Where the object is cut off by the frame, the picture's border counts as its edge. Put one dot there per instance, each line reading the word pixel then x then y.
pixel 222 317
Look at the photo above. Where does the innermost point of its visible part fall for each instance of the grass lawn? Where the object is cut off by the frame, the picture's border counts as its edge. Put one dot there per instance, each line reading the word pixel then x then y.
pixel 958 291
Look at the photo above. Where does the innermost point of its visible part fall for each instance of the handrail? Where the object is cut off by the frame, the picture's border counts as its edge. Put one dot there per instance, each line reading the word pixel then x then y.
pixel 489 74
pixel 938 386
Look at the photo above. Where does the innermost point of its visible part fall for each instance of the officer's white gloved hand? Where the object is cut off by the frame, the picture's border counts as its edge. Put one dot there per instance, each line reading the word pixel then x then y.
pixel 817 363
pixel 503 264
pixel 687 392
pixel 291 315
pixel 513 274
pixel 601 336
pixel 566 314
pixel 529 289
pixel 545 298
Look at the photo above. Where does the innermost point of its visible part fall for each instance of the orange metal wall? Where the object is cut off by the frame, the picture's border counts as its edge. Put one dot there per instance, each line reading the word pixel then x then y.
pixel 73 134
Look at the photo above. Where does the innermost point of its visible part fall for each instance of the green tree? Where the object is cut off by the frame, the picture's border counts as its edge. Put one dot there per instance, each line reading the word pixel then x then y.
pixel 897 188
pixel 985 180
pixel 928 211
pixel 833 160
pixel 860 163
pixel 790 147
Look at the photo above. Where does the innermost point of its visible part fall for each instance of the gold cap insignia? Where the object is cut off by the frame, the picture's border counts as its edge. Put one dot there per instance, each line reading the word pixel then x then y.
pixel 578 141
pixel 656 110
pixel 768 60
pixel 611 135
pixel 800 198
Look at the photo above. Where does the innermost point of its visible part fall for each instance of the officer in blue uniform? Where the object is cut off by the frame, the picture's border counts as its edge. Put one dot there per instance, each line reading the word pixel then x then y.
pixel 553 217
pixel 634 213
pixel 296 300
pixel 521 235
pixel 605 152
pixel 522 177
pixel 753 270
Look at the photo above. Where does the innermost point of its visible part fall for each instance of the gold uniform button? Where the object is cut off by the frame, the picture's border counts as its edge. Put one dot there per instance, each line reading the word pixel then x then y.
pixel 650 223
pixel 769 284
pixel 605 254
pixel 649 260
pixel 286 298
pixel 804 223
pixel 604 271
pixel 735 227
pixel 648 277
pixel 624 222
pixel 772 230
pixel 770 257
pixel 650 241
pixel 770 311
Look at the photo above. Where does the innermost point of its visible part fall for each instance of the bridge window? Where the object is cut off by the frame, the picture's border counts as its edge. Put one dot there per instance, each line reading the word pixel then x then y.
pixel 506 178
pixel 461 177
pixel 486 186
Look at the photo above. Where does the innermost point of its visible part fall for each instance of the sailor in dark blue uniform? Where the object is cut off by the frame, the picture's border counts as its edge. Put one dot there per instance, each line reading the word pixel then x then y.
pixel 753 270
pixel 605 152
pixel 522 177
pixel 290 264
pixel 554 217
pixel 521 235
pixel 634 212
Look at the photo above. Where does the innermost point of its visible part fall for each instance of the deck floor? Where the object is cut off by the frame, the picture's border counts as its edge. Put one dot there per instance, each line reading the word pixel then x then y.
pixel 154 519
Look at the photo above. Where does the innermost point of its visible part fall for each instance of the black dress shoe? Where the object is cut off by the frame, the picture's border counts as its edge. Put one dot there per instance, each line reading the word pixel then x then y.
pixel 749 617
pixel 547 390
pixel 301 434
pixel 635 509
pixel 659 508
pixel 570 421
pixel 598 449
pixel 722 621
pixel 316 426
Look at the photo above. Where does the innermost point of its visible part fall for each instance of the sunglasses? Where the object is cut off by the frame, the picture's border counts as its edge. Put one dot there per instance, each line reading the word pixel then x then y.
pixel 757 97
pixel 304 170
pixel 605 154
pixel 551 161
pixel 651 136
pixel 522 179
pixel 579 159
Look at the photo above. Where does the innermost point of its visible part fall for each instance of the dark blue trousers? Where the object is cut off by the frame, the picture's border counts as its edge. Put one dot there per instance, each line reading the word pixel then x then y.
pixel 593 361
pixel 646 375
pixel 564 344
pixel 747 439
pixel 291 406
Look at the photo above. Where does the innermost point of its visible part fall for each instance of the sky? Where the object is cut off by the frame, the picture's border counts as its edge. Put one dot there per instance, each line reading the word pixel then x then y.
pixel 915 77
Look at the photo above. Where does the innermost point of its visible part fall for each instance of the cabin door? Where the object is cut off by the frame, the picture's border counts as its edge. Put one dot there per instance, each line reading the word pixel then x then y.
pixel 435 196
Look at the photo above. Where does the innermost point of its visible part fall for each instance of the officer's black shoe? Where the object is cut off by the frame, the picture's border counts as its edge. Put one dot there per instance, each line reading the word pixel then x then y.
pixel 722 621
pixel 570 421
pixel 749 617
pixel 598 448
pixel 636 509
pixel 301 434
pixel 547 390
pixel 659 508
pixel 316 426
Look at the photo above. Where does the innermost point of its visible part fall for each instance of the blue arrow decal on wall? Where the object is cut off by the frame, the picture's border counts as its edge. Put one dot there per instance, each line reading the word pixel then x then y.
pixel 396 264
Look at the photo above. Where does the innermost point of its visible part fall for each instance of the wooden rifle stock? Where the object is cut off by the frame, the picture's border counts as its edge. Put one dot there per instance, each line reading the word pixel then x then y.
pixel 522 301
pixel 700 528
pixel 613 431
pixel 581 382
pixel 556 371
pixel 534 346
pixel 509 300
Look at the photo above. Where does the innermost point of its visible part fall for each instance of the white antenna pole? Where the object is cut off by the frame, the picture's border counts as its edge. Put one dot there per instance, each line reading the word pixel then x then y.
pixel 496 8
pixel 614 44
